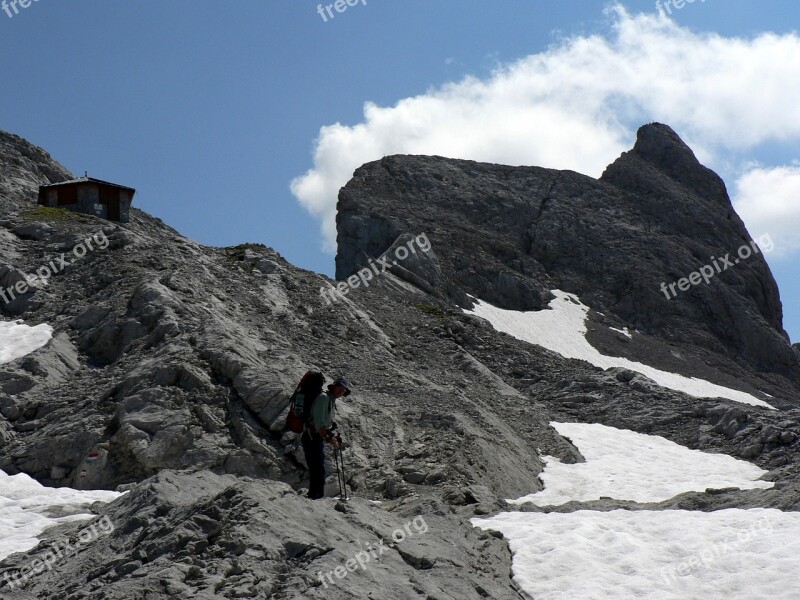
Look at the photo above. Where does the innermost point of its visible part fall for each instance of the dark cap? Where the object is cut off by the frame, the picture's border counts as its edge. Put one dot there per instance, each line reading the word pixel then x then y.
pixel 345 383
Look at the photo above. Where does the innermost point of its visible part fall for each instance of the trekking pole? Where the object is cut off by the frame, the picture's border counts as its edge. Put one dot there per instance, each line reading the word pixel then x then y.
pixel 344 475
pixel 338 471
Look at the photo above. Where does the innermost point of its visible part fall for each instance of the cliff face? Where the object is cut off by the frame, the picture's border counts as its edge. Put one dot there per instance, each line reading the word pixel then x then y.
pixel 507 235
pixel 171 365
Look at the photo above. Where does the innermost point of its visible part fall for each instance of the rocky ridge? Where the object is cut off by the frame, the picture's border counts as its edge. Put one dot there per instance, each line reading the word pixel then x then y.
pixel 173 361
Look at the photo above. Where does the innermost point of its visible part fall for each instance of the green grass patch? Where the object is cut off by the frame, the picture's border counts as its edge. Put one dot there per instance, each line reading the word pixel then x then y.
pixel 54 215
pixel 430 310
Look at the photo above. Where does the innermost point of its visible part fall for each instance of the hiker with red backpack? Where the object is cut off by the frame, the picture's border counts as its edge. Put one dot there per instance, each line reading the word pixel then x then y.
pixel 317 424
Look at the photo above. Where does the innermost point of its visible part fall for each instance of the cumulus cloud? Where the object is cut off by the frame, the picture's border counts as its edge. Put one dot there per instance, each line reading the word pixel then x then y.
pixel 577 106
pixel 768 200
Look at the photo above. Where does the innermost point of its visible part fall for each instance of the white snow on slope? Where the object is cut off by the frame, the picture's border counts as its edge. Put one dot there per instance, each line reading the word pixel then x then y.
pixel 624 331
pixel 626 465
pixel 17 339
pixel 25 503
pixel 562 329
pixel 730 554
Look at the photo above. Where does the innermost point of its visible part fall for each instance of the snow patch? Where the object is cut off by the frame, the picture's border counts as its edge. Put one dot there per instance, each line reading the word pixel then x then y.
pixel 624 331
pixel 730 554
pixel 24 508
pixel 18 339
pixel 562 329
pixel 626 465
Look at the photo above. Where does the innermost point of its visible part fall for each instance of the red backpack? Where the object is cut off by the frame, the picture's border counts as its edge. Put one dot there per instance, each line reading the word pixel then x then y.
pixel 309 388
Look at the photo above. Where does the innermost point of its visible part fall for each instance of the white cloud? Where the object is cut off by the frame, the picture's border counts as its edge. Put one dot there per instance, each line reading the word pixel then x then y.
pixel 577 105
pixel 768 200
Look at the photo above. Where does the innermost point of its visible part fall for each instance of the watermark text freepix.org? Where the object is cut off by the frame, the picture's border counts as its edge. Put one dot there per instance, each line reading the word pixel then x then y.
pixel 665 7
pixel 363 557
pixel 59 551
pixel 9 5
pixel 708 555
pixel 707 272
pixel 56 265
pixel 326 11
pixel 365 275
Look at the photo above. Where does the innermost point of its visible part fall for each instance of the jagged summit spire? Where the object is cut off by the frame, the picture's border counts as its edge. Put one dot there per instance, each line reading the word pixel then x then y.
pixel 659 144
pixel 659 148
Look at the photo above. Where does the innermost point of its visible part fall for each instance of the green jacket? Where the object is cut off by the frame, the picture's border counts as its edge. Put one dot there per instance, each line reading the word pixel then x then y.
pixel 322 411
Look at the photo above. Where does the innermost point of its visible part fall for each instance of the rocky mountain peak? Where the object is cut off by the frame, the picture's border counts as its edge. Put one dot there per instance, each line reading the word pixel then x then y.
pixel 660 145
pixel 509 235
pixel 659 148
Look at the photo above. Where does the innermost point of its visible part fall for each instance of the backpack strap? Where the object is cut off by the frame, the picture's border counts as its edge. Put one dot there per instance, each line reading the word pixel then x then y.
pixel 308 414
pixel 293 399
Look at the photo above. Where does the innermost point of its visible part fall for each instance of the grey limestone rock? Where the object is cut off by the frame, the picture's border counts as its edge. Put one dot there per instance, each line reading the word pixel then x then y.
pixel 171 364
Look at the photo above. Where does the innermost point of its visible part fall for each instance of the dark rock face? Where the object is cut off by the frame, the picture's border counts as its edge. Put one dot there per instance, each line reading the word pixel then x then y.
pixel 507 235
pixel 741 307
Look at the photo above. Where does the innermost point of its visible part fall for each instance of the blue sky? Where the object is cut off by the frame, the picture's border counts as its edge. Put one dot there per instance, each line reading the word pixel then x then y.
pixel 214 111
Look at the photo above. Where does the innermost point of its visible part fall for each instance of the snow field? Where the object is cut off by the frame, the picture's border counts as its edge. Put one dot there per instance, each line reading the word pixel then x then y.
pixel 562 329
pixel 626 465
pixel 730 554
pixel 24 508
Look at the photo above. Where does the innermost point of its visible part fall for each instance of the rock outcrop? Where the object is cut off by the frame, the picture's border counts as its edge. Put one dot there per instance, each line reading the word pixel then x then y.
pixel 25 168
pixel 508 235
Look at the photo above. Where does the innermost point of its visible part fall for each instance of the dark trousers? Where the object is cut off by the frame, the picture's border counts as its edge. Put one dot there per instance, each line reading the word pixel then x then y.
pixel 314 449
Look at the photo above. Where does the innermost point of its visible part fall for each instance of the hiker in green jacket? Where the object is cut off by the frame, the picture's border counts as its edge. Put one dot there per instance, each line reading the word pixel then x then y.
pixel 318 430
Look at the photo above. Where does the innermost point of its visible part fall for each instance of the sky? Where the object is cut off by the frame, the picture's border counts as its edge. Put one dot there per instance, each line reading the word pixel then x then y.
pixel 238 122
